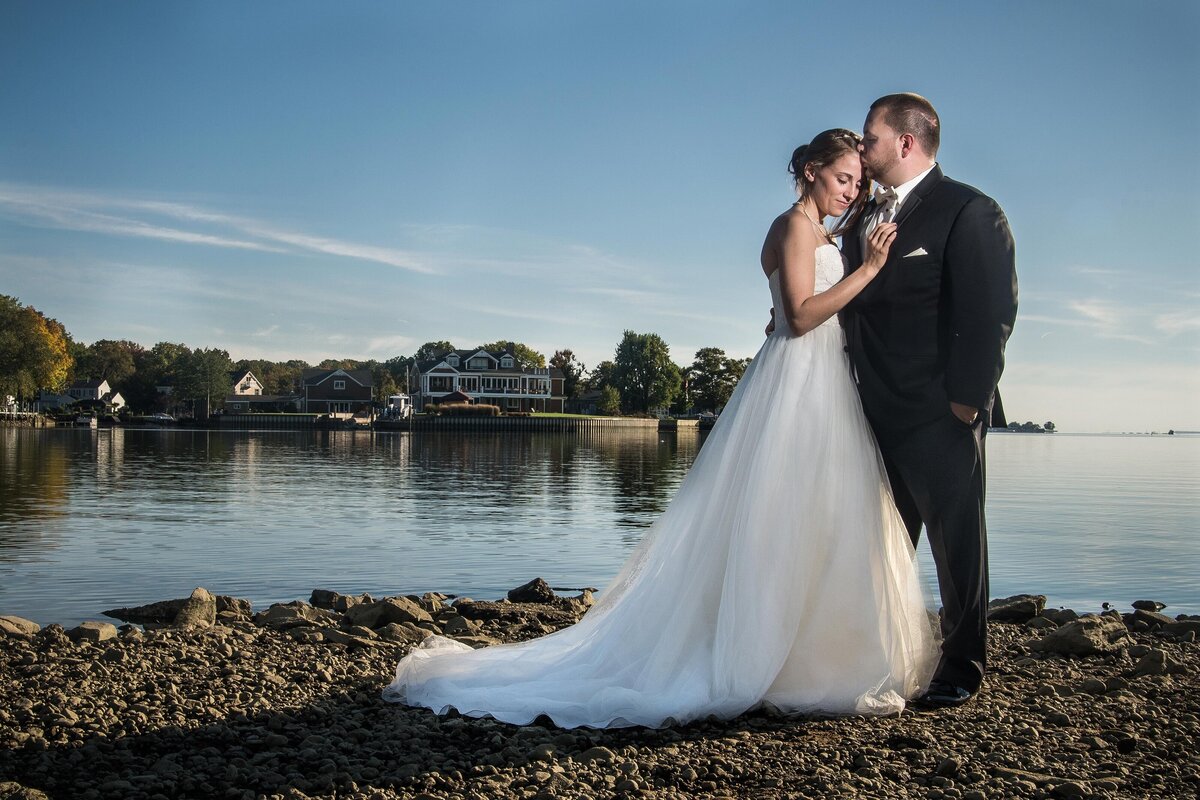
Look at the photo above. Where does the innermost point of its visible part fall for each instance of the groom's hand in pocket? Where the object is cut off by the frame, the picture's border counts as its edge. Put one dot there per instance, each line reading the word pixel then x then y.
pixel 967 414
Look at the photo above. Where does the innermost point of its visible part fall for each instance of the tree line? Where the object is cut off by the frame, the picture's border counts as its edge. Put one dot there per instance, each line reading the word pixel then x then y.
pixel 37 352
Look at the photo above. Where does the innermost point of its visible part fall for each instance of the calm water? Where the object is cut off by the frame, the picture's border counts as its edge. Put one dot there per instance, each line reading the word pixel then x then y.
pixel 92 520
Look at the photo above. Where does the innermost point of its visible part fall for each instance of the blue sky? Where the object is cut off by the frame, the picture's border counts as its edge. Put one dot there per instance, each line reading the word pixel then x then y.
pixel 307 180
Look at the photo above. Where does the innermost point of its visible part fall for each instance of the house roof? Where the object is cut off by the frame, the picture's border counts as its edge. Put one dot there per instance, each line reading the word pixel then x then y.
pixel 439 365
pixel 236 376
pixel 315 377
pixel 95 383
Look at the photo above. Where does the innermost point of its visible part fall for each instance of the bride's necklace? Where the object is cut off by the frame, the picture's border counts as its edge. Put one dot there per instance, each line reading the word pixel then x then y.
pixel 823 230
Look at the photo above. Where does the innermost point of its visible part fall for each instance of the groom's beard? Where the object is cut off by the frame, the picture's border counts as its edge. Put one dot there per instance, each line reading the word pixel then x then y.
pixel 873 171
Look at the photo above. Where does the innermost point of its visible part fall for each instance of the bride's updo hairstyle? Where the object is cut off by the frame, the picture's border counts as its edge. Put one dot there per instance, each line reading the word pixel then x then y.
pixel 825 148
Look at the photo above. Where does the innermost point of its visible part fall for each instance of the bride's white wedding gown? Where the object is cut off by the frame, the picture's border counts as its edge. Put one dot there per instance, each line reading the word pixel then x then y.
pixel 780 574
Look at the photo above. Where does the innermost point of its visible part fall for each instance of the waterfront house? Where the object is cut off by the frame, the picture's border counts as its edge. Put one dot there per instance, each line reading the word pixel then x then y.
pixel 244 383
pixel 262 403
pixel 248 396
pixel 89 390
pixel 53 401
pixel 96 392
pixel 490 377
pixel 335 391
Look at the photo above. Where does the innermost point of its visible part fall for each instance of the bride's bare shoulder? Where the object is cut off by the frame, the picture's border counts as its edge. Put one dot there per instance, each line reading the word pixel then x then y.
pixel 790 229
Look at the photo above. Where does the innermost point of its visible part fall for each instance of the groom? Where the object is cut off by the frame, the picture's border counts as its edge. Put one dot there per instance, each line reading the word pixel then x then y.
pixel 926 340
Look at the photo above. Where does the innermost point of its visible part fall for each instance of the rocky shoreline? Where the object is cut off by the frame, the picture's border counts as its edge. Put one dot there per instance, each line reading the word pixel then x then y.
pixel 200 697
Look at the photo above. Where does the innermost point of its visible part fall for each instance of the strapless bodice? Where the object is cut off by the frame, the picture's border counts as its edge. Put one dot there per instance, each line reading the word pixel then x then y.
pixel 829 270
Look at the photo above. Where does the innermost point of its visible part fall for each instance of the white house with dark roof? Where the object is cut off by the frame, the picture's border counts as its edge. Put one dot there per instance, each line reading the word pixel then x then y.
pixel 488 377
pixel 99 390
pixel 244 383
pixel 89 390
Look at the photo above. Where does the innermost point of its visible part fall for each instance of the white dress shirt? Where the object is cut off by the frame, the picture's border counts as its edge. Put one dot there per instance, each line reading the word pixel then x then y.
pixel 902 192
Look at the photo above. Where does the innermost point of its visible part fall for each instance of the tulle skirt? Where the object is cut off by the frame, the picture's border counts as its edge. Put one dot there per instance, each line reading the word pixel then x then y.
pixel 780 574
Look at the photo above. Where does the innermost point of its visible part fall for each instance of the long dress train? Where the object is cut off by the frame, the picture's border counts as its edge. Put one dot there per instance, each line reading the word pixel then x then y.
pixel 780 574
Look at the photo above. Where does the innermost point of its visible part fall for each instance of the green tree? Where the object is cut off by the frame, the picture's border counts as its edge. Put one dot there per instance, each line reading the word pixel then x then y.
pixel 400 367
pixel 385 383
pixel 601 376
pixel 112 360
pixel 713 377
pixel 154 368
pixel 644 373
pixel 572 372
pixel 35 350
pixel 526 356
pixel 204 375
pixel 432 350
pixel 342 363
pixel 610 401
pixel 163 361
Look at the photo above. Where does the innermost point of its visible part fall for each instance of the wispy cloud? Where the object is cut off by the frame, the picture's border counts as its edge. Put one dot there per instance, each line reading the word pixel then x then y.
pixel 1173 324
pixel 56 214
pixel 93 213
pixel 390 344
pixel 1098 311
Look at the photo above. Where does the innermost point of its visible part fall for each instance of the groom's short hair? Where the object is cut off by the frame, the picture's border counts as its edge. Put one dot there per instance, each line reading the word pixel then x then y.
pixel 910 113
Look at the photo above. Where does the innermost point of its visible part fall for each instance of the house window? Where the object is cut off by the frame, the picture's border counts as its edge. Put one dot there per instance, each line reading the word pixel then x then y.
pixel 478 363
pixel 452 361
pixel 338 385
pixel 506 362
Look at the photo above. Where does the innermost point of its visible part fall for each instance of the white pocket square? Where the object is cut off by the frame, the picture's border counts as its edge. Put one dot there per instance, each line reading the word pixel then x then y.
pixel 920 251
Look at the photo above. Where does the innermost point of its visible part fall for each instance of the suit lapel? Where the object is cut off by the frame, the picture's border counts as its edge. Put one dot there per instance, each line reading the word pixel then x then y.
pixel 919 193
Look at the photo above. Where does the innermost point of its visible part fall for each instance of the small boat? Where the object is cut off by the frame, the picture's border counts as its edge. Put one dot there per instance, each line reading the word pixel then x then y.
pixel 85 421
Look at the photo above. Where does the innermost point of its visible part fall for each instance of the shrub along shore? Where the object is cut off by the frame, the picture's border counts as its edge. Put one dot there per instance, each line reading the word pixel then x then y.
pixel 201 697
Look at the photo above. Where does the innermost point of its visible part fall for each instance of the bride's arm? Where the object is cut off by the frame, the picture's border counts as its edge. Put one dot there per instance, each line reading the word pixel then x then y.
pixel 805 310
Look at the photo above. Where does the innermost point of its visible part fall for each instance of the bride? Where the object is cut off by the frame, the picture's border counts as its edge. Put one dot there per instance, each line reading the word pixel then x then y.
pixel 779 575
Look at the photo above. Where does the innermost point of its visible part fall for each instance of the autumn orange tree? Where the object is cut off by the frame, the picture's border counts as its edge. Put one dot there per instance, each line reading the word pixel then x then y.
pixel 34 350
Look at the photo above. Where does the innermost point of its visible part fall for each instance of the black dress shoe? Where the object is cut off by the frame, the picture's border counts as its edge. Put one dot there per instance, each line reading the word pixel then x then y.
pixel 943 694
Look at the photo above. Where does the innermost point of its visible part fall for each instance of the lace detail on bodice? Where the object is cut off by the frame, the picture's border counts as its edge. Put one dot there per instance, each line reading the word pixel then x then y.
pixel 829 270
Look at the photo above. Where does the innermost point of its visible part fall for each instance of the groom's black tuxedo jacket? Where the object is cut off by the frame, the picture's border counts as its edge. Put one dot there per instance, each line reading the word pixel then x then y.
pixel 931 327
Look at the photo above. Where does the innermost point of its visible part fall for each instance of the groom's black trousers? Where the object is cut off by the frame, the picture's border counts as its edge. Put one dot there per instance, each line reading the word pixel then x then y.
pixel 937 477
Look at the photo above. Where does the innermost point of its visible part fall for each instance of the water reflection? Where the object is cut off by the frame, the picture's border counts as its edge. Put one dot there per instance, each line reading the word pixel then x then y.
pixel 112 518
pixel 33 487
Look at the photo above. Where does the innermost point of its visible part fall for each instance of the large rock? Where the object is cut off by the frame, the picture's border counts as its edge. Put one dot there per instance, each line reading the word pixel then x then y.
pixel 15 791
pixel 402 633
pixel 1182 626
pixel 461 625
pixel 1149 605
pixel 282 616
pixel 390 609
pixel 334 601
pixel 18 626
pixel 536 591
pixel 93 632
pixel 165 611
pixel 1018 608
pixel 233 607
pixel 516 613
pixel 199 610
pixel 1086 636
pixel 1060 616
